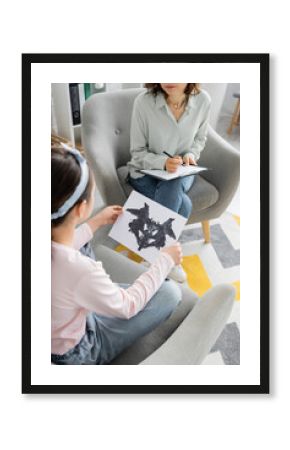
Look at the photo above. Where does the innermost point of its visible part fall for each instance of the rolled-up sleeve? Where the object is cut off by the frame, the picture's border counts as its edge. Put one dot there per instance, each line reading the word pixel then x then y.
pixel 201 136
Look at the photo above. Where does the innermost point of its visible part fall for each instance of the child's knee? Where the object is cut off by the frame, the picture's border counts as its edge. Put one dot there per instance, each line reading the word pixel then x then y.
pixel 186 206
pixel 163 303
pixel 171 294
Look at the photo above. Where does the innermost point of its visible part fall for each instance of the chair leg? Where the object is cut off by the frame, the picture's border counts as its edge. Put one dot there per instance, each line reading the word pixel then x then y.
pixel 235 117
pixel 206 231
pixel 238 114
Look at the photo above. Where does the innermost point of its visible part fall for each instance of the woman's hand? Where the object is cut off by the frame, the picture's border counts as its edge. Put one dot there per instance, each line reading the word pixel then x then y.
pixel 175 251
pixel 107 216
pixel 187 160
pixel 173 163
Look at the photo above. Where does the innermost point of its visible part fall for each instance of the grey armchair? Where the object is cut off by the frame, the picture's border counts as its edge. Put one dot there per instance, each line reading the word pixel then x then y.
pixel 106 138
pixel 188 335
pixel 190 332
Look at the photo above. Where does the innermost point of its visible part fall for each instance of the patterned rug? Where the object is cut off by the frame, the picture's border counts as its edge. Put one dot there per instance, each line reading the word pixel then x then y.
pixel 209 264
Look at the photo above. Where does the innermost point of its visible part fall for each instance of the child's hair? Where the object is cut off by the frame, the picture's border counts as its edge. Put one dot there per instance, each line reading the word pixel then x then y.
pixel 65 176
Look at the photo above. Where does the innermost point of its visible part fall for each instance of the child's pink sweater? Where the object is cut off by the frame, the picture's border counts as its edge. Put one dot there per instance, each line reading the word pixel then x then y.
pixel 80 285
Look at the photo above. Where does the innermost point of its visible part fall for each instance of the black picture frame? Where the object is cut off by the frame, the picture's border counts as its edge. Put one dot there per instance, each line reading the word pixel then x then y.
pixel 263 61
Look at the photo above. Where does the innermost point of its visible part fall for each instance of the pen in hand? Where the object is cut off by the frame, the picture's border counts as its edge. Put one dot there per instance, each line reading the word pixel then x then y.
pixel 167 154
pixel 170 156
pixel 172 162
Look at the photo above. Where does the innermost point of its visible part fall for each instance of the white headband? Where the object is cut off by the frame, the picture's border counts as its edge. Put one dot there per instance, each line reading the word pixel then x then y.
pixel 79 190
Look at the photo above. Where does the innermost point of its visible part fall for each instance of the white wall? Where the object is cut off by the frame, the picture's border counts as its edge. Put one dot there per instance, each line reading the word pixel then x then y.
pixel 54 128
pixel 113 86
pixel 62 119
pixel 131 85
pixel 217 92
pixel 229 101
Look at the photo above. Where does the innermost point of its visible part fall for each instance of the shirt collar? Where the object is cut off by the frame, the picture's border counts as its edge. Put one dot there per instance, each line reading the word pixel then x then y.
pixel 160 100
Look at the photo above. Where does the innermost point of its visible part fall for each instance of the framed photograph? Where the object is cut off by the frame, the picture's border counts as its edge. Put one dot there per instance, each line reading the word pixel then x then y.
pixel 97 317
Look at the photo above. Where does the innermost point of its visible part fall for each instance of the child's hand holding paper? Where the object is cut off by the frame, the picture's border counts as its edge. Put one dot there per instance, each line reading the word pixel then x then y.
pixel 110 214
pixel 107 216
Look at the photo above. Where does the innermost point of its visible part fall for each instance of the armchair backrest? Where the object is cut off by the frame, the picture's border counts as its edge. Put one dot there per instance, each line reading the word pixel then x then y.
pixel 106 122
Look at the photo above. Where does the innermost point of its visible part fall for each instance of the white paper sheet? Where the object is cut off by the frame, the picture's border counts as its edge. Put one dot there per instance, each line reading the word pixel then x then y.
pixel 148 227
pixel 181 171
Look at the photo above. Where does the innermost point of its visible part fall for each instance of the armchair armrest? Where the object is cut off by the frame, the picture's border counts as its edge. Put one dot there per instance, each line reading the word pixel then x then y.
pixel 194 338
pixel 120 268
pixel 224 160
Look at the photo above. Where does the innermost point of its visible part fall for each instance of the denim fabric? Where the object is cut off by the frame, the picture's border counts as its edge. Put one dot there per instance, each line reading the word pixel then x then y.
pixel 171 194
pixel 106 337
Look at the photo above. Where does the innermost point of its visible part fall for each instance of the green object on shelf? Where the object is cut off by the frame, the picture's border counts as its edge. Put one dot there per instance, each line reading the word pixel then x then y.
pixel 88 92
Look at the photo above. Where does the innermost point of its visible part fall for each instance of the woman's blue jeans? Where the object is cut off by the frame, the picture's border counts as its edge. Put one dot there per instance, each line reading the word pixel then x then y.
pixel 171 194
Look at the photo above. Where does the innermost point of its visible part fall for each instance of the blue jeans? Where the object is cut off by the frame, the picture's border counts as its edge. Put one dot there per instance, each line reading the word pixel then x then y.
pixel 171 194
pixel 107 337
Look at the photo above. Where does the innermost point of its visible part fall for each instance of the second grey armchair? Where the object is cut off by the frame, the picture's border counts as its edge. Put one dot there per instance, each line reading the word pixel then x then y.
pixel 189 334
pixel 106 138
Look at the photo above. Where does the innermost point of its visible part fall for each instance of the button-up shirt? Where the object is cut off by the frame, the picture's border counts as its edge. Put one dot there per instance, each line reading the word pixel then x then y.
pixel 154 129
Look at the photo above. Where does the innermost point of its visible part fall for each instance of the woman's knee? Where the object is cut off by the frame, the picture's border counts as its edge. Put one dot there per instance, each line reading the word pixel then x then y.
pixel 186 206
pixel 169 196
pixel 145 185
pixel 175 185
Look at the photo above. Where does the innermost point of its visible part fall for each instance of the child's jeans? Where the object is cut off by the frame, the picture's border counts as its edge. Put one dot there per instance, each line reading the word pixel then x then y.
pixel 105 337
pixel 171 194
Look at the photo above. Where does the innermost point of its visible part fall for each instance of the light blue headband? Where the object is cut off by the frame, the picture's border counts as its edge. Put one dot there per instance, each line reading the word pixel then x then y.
pixel 79 190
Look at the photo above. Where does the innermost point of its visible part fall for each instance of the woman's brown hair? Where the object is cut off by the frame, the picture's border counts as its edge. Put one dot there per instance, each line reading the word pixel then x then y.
pixel 155 88
pixel 65 176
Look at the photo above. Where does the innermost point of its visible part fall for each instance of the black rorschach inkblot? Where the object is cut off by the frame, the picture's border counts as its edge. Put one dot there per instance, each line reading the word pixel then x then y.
pixel 147 231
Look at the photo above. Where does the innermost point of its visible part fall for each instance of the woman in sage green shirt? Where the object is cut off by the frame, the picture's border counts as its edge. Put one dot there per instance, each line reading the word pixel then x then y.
pixel 168 119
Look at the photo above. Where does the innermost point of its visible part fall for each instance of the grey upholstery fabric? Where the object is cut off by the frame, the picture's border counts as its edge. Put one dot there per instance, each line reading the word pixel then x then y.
pixel 224 160
pixel 123 270
pixel 148 344
pixel 189 333
pixel 106 138
pixel 197 334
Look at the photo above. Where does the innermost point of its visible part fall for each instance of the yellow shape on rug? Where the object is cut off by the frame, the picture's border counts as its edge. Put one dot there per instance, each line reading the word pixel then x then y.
pixel 131 255
pixel 196 274
pixel 197 277
pixel 236 284
pixel 237 218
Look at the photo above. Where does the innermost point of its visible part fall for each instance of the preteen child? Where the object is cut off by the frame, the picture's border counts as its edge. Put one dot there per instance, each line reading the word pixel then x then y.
pixel 94 319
